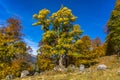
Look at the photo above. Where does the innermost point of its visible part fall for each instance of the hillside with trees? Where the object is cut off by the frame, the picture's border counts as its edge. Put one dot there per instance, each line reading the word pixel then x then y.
pixel 62 49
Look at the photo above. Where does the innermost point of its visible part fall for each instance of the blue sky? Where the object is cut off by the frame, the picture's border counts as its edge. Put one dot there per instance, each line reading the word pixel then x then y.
pixel 92 15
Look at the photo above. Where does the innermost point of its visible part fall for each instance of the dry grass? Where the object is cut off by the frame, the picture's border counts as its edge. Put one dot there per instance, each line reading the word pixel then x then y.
pixel 89 74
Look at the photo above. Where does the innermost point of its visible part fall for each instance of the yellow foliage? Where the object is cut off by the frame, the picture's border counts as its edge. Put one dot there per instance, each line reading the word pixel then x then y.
pixel 44 12
pixel 44 62
pixel 4 70
pixel 41 16
pixel 60 20
pixel 65 23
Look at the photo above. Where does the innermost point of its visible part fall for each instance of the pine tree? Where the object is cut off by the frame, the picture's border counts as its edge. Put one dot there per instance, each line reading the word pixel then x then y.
pixel 113 37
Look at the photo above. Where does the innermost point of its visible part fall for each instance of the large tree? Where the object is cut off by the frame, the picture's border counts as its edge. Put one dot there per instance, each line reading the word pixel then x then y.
pixel 60 34
pixel 113 37
pixel 12 46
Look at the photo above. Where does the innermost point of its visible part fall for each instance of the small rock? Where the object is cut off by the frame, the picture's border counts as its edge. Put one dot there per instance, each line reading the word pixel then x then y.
pixel 118 72
pixel 24 73
pixel 82 67
pixel 101 67
pixel 9 77
pixel 36 73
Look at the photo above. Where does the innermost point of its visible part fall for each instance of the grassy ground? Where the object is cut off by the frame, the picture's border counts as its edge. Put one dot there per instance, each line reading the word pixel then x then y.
pixel 90 73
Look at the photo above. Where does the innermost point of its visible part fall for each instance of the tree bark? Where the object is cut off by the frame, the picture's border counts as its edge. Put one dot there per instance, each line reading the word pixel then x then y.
pixel 61 62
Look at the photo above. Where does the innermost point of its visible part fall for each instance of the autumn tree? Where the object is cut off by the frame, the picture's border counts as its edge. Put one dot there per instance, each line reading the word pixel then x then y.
pixel 99 48
pixel 87 51
pixel 12 47
pixel 86 44
pixel 84 50
pixel 113 25
pixel 60 34
pixel 96 42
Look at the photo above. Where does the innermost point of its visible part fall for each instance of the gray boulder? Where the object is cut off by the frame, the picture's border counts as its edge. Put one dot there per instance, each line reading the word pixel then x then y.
pixel 24 73
pixel 101 67
pixel 82 67
pixel 9 77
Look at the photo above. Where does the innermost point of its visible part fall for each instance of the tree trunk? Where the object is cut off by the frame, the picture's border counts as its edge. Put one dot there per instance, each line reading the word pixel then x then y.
pixel 66 60
pixel 61 62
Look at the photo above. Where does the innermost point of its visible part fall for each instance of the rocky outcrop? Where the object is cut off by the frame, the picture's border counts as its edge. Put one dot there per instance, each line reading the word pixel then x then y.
pixel 24 73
